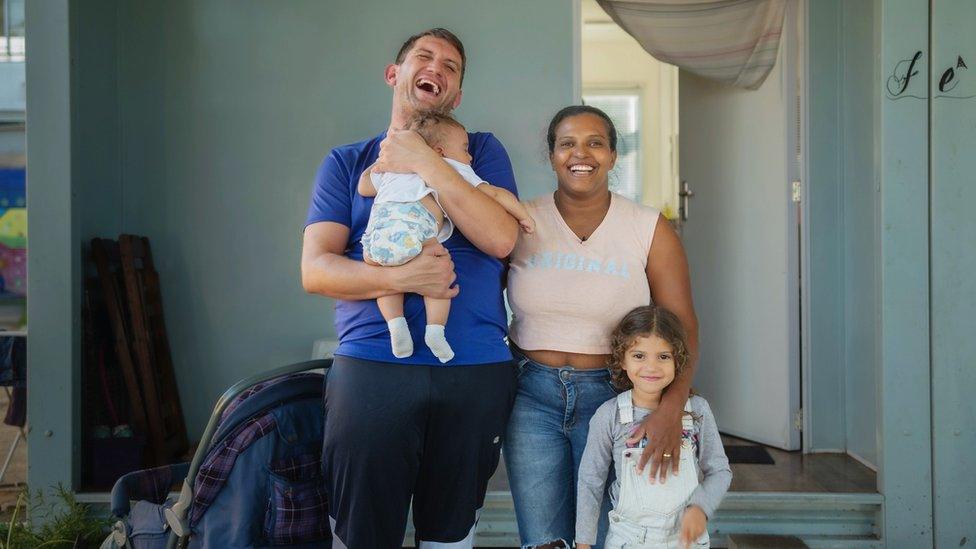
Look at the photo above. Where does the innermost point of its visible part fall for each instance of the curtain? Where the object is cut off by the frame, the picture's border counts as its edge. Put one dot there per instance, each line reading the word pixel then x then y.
pixel 731 41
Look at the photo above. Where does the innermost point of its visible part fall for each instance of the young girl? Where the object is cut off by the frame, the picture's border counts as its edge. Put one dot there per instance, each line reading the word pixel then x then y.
pixel 648 350
pixel 406 214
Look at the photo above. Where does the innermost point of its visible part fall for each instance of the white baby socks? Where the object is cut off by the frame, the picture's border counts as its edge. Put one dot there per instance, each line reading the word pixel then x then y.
pixel 434 338
pixel 402 343
pixel 400 338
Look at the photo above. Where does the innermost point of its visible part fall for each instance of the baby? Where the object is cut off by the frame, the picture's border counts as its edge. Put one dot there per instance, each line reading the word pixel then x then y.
pixel 405 215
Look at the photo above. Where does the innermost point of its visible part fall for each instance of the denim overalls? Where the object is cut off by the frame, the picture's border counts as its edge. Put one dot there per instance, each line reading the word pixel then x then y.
pixel 649 515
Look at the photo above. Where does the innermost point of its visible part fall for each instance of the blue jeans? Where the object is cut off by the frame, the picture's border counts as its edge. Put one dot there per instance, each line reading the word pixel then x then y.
pixel 544 444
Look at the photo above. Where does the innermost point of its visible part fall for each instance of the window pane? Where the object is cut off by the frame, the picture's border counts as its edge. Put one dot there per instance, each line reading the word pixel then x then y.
pixel 16 12
pixel 11 30
pixel 622 108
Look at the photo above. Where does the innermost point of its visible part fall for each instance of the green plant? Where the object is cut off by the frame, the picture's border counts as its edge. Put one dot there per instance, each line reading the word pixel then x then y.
pixel 60 522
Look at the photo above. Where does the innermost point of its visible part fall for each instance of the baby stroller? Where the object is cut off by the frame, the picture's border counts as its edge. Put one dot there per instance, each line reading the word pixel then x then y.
pixel 254 481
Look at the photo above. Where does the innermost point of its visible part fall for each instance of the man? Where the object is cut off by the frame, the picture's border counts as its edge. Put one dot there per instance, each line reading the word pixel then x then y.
pixel 398 429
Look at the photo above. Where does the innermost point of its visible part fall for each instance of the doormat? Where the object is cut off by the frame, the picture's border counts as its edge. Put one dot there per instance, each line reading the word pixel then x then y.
pixel 749 454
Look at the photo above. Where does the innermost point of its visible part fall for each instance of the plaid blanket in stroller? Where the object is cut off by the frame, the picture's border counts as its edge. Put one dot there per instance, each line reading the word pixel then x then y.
pixel 255 480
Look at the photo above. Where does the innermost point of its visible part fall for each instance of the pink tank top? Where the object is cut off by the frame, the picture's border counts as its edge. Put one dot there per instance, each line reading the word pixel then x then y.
pixel 567 295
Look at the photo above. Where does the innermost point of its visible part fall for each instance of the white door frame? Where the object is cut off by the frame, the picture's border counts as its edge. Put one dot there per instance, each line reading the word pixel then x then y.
pixel 803 85
pixel 799 262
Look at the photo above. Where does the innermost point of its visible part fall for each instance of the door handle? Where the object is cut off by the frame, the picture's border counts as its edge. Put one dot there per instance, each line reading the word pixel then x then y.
pixel 685 193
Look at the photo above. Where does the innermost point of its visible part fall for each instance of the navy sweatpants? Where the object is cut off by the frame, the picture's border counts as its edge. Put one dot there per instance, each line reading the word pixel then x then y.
pixel 396 431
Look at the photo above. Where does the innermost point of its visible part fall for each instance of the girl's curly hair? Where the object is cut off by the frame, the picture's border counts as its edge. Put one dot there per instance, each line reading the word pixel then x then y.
pixel 643 322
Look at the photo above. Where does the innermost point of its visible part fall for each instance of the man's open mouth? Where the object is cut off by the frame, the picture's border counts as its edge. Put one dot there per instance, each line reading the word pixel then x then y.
pixel 428 86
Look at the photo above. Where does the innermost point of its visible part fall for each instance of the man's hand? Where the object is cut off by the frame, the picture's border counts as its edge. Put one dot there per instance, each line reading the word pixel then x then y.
pixel 429 274
pixel 663 432
pixel 692 525
pixel 404 151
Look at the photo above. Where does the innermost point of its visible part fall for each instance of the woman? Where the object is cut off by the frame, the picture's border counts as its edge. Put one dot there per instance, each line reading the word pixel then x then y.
pixel 594 256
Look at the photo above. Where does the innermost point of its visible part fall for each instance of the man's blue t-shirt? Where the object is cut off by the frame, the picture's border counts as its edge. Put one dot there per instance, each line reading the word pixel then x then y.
pixel 476 327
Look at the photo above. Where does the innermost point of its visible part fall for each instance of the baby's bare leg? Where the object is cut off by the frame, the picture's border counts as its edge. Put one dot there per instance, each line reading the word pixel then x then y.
pixel 391 306
pixel 437 312
pixel 401 342
pixel 430 204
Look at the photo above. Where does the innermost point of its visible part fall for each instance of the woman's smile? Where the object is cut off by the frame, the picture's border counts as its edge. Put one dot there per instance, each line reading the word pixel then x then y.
pixel 581 169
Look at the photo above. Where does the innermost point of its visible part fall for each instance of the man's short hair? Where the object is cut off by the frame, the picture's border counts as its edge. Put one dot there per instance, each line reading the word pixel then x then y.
pixel 438 32
pixel 431 126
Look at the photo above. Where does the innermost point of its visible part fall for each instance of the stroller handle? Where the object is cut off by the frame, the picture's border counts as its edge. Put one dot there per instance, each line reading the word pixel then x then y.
pixel 176 516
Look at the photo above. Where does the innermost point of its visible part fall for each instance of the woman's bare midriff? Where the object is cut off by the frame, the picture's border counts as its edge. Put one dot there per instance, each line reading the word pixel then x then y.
pixel 559 359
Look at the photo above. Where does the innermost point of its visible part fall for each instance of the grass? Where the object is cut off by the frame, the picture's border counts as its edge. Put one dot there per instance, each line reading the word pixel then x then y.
pixel 52 522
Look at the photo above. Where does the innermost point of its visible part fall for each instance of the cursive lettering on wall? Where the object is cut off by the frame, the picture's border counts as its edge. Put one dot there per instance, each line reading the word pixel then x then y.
pixel 901 77
pixel 905 80
pixel 950 79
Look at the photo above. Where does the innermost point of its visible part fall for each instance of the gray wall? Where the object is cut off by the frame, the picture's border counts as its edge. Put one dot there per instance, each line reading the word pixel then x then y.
pixel 95 131
pixel 823 301
pixel 953 293
pixel 904 379
pixel 53 263
pixel 860 222
pixel 844 240
pixel 201 124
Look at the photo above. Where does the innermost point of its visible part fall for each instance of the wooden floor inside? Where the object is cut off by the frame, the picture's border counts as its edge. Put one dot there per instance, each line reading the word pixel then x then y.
pixel 792 472
pixel 799 472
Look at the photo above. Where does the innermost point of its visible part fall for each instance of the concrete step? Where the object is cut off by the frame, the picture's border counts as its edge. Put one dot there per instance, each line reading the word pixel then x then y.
pixel 760 541
pixel 816 519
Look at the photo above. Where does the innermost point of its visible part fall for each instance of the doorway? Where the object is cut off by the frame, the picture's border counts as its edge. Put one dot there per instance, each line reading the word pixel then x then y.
pixel 724 165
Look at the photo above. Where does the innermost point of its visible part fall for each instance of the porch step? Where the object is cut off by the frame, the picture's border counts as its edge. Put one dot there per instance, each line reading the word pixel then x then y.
pixel 819 520
pixel 759 541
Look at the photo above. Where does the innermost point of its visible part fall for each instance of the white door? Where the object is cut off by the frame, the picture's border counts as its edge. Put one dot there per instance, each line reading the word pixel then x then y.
pixel 738 156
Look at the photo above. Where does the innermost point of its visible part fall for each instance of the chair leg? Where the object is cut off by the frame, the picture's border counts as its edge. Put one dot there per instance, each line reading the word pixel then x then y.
pixel 21 434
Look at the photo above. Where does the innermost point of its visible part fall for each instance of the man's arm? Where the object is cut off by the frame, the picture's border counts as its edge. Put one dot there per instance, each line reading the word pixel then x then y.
pixel 482 220
pixel 327 271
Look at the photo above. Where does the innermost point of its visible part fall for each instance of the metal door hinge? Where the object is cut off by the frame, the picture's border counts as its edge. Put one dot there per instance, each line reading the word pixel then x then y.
pixel 797 191
pixel 798 420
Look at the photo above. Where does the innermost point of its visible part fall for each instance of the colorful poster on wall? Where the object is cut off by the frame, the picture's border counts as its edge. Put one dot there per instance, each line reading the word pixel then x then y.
pixel 13 232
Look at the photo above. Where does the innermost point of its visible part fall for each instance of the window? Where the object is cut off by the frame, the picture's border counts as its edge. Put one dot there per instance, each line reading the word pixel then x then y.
pixel 623 107
pixel 12 37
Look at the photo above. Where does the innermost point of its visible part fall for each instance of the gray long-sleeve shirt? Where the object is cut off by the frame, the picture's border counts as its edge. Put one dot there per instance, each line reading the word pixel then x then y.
pixel 607 440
